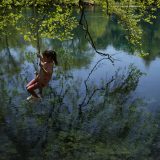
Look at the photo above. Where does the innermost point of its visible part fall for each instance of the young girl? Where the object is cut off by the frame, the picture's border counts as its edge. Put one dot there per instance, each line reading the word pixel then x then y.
pixel 47 61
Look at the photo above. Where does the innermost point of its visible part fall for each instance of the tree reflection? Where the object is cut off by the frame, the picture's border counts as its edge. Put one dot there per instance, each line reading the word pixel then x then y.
pixel 45 24
pixel 115 35
pixel 20 35
pixel 100 122
pixel 111 124
pixel 151 40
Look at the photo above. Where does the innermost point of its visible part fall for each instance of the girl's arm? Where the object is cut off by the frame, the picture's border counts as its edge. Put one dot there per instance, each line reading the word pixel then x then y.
pixel 40 57
pixel 44 68
pixel 47 68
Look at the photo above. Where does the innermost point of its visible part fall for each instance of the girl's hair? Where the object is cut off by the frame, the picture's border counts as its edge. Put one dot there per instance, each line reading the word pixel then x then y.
pixel 51 54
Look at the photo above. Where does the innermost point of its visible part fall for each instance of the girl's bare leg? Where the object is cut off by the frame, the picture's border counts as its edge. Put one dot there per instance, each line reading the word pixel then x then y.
pixel 31 83
pixel 31 89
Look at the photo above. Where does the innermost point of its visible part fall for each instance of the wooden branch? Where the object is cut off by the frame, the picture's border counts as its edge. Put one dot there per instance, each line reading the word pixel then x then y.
pixel 83 22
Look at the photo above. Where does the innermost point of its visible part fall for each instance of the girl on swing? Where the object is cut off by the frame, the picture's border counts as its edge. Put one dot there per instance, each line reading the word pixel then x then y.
pixel 47 61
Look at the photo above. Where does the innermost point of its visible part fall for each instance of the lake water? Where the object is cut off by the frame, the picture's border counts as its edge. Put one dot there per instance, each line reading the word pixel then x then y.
pixel 123 126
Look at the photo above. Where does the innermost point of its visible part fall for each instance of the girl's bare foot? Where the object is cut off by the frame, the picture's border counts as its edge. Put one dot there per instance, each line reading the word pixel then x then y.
pixel 33 98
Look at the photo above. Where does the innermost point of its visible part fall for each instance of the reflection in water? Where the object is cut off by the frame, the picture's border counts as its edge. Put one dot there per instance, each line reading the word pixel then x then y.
pixel 77 119
pixel 151 40
pixel 55 129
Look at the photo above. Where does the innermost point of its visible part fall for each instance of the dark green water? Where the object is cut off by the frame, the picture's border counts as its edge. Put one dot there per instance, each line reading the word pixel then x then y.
pixel 90 110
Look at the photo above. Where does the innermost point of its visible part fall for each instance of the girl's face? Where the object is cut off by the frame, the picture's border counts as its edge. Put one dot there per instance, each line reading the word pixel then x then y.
pixel 47 59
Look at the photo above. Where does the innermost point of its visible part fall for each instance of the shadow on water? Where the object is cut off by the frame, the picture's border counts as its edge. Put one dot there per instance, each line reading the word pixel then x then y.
pixel 104 121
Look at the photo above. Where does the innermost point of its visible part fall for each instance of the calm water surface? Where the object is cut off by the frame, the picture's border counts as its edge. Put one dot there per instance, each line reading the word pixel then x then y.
pixel 126 128
pixel 112 41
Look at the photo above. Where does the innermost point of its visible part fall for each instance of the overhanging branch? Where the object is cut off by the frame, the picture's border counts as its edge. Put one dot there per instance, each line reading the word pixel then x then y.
pixel 83 22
